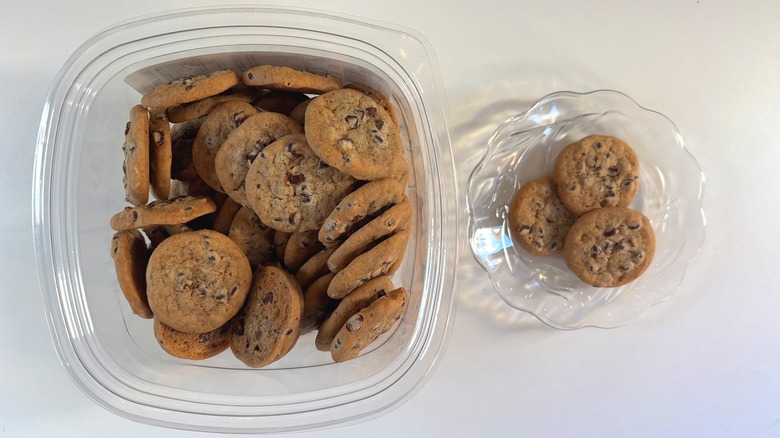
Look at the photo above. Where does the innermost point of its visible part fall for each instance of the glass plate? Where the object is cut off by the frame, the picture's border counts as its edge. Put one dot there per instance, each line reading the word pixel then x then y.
pixel 524 148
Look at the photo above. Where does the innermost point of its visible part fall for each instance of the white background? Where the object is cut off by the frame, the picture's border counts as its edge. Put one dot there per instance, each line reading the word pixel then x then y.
pixel 704 363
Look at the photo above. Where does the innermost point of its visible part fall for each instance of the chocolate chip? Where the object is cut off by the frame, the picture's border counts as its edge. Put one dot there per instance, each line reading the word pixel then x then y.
pixel 378 139
pixel 220 297
pixel 127 128
pixel 240 328
pixel 633 226
pixel 609 232
pixel 626 183
pixel 202 292
pixel 371 111
pixel 321 165
pixel 135 216
pixel 553 246
pixel 259 333
pixel 360 113
pixel 381 293
pixel 305 199
pixel 291 219
pixel 352 121
pixel 597 145
pixel 337 344
pixel 290 149
pixel 289 332
pixel 379 124
pixel 237 118
pixel 572 187
pixel 212 259
pixel 295 179
pixel 613 171
pixel 268 298
pixel 355 323
pixel 257 349
pixel 250 76
pixel 345 159
pixel 232 292
pixel 609 194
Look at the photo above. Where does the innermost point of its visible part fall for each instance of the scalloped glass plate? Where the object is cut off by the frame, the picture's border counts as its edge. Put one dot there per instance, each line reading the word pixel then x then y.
pixel 524 148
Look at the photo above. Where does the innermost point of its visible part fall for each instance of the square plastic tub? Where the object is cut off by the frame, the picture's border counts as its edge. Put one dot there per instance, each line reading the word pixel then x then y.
pixel 111 354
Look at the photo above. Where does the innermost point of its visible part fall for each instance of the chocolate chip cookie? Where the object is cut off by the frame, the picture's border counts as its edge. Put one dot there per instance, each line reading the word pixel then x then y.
pixel 254 238
pixel 200 108
pixel 352 133
pixel 182 137
pixel 301 246
pixel 609 247
pixel 242 146
pixel 135 168
pixel 314 268
pixel 291 188
pixel 316 303
pixel 538 220
pixel 597 171
pixel 190 89
pixel 268 325
pixel 130 254
pixel 378 97
pixel 288 79
pixel 192 346
pixel 160 153
pixel 162 212
pixel 197 281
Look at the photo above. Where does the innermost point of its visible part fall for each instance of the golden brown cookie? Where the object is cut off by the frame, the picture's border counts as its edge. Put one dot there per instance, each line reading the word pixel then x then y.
pixel 136 164
pixel 163 212
pixel 156 235
pixel 371 264
pixel 130 254
pixel 395 218
pixel 609 247
pixel 192 346
pixel 197 281
pixel 597 171
pixel 350 305
pixel 280 242
pixel 314 268
pixel 182 137
pixel 291 189
pixel 288 79
pixel 352 133
pixel 254 238
pixel 216 128
pixel 378 97
pixel 301 246
pixel 268 325
pixel 160 153
pixel 242 146
pixel 364 327
pixel 364 201
pixel 200 108
pixel 316 303
pixel 538 220
pixel 225 216
pixel 190 89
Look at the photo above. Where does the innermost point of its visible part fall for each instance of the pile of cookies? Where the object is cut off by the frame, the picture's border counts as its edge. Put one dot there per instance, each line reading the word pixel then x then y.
pixel 581 210
pixel 280 209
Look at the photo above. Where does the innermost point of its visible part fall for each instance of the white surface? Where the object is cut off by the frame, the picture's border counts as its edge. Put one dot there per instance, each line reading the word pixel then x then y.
pixel 704 363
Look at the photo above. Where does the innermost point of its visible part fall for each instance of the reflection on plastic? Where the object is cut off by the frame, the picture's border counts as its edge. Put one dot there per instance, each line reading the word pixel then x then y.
pixel 490 241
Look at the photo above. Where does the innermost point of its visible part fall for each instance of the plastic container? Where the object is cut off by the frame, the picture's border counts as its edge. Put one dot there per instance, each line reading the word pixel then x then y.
pixel 111 354
pixel 525 147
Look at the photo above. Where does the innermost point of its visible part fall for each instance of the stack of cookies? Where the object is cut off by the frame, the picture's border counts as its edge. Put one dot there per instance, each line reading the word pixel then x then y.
pixel 581 210
pixel 279 208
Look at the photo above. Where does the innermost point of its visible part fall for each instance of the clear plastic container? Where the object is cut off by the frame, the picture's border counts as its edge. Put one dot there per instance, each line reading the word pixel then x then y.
pixel 111 354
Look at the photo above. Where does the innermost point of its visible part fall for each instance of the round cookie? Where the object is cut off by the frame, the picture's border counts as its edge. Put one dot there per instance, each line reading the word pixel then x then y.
pixel 395 218
pixel 538 221
pixel 160 153
pixel 242 146
pixel 301 246
pixel 197 281
pixel 135 168
pixel 378 97
pixel 192 346
pixel 130 254
pixel 288 79
pixel 225 216
pixel 190 89
pixel 182 137
pixel 364 201
pixel 268 325
pixel 316 303
pixel 350 305
pixel 200 108
pixel 609 247
pixel 291 189
pixel 254 238
pixel 371 264
pixel 597 171
pixel 216 128
pixel 314 268
pixel 282 102
pixel 364 327
pixel 162 212
pixel 354 134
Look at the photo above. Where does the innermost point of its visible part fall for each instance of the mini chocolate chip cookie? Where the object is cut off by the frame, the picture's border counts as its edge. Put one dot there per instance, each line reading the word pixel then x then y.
pixel 135 168
pixel 609 247
pixel 182 137
pixel 200 108
pixel 268 325
pixel 597 171
pixel 291 189
pixel 162 212
pixel 242 146
pixel 160 153
pixel 197 281
pixel 130 254
pixel 192 346
pixel 364 327
pixel 316 303
pixel 538 221
pixel 301 246
pixel 395 218
pixel 352 133
pixel 364 201
pixel 190 89
pixel 350 305
pixel 216 128
pixel 252 236
pixel 371 264
pixel 288 79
